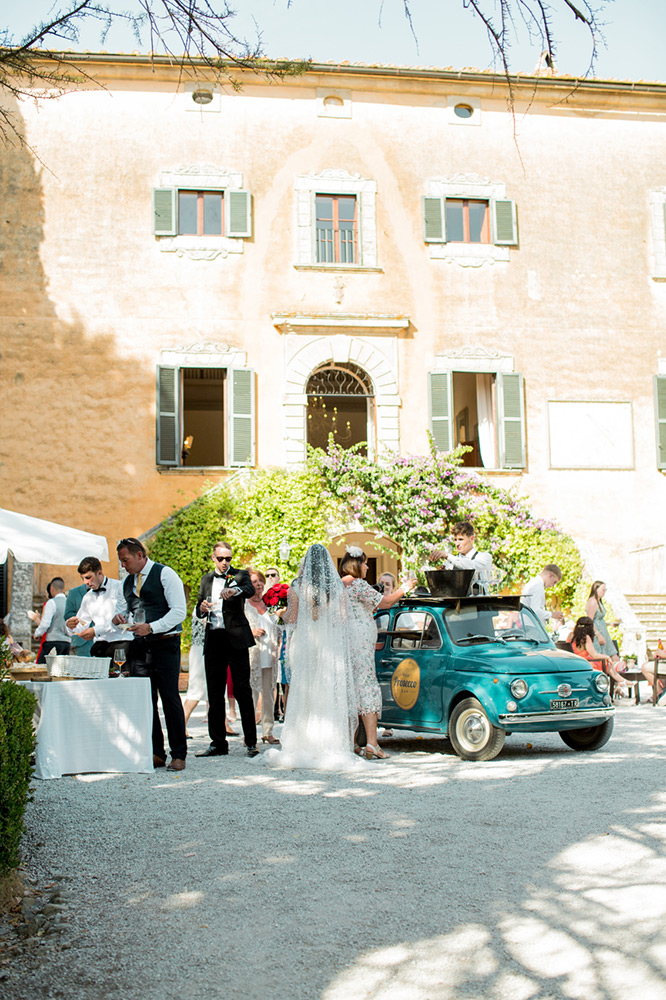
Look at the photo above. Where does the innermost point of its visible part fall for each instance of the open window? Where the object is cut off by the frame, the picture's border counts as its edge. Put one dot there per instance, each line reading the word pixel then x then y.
pixel 482 410
pixel 205 417
pixel 415 630
pixel 470 220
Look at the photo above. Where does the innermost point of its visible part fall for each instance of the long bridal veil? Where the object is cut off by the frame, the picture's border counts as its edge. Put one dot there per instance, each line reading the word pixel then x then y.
pixel 321 709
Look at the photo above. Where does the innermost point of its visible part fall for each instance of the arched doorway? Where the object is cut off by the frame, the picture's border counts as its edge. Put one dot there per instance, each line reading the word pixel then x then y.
pixel 340 402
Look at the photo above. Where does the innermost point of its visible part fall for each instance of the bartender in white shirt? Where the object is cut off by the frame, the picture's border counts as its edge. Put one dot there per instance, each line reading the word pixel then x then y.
pixel 534 593
pixel 468 557
pixel 93 620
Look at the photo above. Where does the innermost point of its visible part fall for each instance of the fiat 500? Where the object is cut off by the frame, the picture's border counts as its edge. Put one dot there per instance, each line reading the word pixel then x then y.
pixel 480 668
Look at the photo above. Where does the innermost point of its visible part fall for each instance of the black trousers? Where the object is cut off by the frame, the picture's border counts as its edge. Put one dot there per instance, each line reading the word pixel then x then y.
pixel 218 654
pixel 103 648
pixel 159 659
pixel 60 648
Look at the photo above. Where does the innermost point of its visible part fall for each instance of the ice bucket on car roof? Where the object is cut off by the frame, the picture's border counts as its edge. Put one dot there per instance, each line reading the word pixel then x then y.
pixel 449 582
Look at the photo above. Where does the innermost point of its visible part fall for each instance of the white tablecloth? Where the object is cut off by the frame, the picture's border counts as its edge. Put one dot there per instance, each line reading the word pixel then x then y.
pixel 85 726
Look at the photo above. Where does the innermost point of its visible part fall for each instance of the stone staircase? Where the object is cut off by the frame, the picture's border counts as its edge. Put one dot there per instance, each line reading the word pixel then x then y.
pixel 650 609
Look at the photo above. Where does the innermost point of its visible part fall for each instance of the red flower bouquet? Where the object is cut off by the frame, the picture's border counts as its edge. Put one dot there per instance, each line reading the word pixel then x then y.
pixel 276 597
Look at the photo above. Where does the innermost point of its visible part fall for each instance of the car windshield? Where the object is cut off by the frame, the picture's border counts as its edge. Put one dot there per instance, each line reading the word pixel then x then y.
pixel 490 622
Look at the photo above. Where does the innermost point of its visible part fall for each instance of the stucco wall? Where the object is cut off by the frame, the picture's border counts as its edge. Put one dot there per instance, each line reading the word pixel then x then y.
pixel 88 300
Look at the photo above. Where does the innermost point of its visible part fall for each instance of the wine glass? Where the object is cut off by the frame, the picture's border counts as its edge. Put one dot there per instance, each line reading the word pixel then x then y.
pixel 119 658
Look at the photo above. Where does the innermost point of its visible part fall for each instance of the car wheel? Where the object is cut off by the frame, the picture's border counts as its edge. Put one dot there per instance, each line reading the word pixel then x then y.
pixel 471 732
pixel 592 738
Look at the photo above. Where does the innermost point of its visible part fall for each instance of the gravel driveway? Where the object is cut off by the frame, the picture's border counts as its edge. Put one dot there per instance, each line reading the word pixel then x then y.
pixel 539 875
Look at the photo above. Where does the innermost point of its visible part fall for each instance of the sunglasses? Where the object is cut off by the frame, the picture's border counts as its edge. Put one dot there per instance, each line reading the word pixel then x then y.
pixel 271 574
pixel 222 558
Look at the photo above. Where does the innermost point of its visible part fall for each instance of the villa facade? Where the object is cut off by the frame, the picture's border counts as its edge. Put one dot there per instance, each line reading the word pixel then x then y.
pixel 196 279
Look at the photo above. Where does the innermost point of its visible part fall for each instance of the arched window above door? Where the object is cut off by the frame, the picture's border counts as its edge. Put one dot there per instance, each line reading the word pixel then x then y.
pixel 340 401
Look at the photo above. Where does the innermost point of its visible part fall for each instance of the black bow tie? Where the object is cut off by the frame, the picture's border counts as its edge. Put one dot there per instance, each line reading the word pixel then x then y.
pixel 100 590
pixel 220 576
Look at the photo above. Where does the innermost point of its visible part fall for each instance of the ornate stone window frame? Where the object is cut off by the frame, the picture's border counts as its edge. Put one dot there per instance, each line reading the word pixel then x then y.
pixel 302 359
pixel 468 254
pixel 203 177
pixel 336 182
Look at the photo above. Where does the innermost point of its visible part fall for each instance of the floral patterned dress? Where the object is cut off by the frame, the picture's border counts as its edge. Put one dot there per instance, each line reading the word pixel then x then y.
pixel 362 601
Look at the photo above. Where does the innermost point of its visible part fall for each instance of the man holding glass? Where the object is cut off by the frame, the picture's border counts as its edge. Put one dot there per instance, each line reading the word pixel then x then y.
pixel 227 641
pixel 152 605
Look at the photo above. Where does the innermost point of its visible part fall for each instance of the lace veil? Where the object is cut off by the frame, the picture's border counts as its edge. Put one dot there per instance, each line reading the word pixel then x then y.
pixel 321 708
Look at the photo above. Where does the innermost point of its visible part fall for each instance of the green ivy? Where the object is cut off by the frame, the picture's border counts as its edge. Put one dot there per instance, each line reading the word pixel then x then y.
pixel 414 500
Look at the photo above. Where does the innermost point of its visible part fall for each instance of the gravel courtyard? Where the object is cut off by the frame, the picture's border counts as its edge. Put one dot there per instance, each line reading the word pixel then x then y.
pixel 539 875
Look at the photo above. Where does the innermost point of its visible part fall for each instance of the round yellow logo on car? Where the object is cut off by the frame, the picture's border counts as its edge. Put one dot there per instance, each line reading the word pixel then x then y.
pixel 405 683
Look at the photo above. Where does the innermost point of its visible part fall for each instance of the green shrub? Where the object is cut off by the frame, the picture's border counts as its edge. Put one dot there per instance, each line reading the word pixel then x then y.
pixel 17 742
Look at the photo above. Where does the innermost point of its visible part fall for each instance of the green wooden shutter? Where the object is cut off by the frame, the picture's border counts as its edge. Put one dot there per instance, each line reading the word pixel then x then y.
pixel 168 418
pixel 506 223
pixel 440 405
pixel 240 396
pixel 238 213
pixel 660 418
pixel 434 227
pixel 164 211
pixel 511 411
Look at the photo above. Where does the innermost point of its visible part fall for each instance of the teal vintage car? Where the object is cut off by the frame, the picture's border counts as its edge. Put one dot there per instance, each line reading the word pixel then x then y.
pixel 480 668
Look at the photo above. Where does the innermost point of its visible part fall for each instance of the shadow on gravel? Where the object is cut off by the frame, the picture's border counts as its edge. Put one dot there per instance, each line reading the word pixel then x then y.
pixel 537 876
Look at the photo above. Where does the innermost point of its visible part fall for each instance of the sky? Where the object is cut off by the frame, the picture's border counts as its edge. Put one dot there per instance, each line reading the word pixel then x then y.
pixel 447 34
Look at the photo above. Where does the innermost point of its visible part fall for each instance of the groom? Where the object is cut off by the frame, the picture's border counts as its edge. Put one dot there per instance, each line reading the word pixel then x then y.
pixel 227 641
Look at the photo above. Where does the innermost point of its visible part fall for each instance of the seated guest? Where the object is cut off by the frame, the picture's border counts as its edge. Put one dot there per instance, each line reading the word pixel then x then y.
pixel 659 654
pixel 52 624
pixel 583 645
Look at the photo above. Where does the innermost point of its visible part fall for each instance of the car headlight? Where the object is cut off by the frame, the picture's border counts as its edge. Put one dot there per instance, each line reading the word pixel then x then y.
pixel 601 681
pixel 519 688
pixel 511 706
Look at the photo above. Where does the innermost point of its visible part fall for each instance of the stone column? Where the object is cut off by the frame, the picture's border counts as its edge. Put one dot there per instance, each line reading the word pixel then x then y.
pixel 22 581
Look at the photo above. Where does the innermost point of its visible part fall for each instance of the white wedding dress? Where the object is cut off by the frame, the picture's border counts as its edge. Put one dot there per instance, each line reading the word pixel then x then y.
pixel 321 714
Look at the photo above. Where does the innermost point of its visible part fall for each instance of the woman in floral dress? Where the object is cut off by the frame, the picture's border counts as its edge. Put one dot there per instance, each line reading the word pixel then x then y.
pixel 363 601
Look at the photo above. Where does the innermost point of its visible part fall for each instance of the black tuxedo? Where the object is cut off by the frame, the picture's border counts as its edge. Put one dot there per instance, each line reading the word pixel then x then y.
pixel 228 647
pixel 235 623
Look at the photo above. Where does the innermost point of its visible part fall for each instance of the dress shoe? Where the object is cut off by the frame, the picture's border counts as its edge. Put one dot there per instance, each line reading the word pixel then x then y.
pixel 176 764
pixel 158 761
pixel 252 752
pixel 213 751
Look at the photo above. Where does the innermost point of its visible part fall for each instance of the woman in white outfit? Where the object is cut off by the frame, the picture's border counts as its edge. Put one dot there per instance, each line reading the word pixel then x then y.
pixel 263 656
pixel 196 683
pixel 321 712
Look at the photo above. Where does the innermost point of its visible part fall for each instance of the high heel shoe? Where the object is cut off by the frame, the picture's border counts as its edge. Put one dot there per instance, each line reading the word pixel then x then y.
pixel 271 739
pixel 375 752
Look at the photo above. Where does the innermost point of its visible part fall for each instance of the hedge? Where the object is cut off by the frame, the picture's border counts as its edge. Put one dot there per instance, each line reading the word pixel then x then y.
pixel 17 742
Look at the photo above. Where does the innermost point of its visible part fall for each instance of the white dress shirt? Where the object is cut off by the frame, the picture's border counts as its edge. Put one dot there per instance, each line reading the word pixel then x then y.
pixel 534 596
pixel 99 606
pixel 481 562
pixel 49 613
pixel 174 592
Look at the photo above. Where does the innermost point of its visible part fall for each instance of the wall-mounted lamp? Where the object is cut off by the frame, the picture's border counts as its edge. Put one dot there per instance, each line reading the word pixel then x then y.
pixel 284 550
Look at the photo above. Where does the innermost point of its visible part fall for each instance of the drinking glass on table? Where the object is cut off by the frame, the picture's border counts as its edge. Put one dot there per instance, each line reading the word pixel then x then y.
pixel 119 658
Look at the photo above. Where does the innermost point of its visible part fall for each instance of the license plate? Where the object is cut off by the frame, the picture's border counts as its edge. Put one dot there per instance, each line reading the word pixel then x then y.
pixel 559 704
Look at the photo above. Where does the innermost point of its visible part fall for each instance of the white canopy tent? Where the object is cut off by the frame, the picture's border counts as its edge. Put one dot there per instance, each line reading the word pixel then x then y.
pixel 32 540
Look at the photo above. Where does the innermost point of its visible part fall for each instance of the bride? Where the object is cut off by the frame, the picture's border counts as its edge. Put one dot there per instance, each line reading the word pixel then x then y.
pixel 321 711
